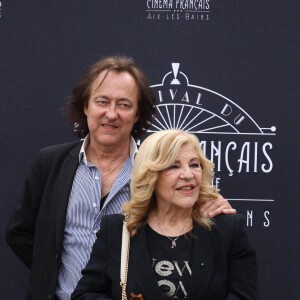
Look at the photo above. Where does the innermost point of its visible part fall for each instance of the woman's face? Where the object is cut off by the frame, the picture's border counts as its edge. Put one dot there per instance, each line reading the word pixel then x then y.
pixel 179 185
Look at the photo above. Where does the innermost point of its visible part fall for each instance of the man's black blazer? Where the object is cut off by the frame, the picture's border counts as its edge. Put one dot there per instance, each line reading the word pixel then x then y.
pixel 224 264
pixel 36 228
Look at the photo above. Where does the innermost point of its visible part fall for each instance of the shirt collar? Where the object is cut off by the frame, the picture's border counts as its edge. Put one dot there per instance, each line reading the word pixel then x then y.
pixel 82 154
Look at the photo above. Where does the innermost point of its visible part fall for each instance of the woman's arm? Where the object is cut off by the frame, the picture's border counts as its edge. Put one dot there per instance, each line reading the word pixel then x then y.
pixel 242 266
pixel 95 283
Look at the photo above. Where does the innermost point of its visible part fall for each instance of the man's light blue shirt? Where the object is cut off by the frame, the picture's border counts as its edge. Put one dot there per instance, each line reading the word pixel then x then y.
pixel 83 219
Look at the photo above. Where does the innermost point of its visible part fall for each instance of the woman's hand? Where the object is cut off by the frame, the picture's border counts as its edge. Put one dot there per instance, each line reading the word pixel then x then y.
pixel 213 207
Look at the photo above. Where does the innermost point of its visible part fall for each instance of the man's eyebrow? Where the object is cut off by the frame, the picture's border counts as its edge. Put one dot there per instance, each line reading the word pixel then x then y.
pixel 100 96
pixel 125 99
pixel 108 98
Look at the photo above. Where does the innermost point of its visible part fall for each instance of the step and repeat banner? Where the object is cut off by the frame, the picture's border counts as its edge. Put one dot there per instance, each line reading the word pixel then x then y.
pixel 224 70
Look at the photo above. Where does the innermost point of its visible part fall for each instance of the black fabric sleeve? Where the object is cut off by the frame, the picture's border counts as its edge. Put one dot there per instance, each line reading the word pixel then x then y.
pixel 242 266
pixel 21 226
pixel 95 284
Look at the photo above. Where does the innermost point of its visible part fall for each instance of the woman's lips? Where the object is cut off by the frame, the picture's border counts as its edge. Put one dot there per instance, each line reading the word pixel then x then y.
pixel 186 188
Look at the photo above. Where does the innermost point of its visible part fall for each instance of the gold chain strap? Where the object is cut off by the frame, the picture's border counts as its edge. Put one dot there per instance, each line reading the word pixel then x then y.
pixel 123 282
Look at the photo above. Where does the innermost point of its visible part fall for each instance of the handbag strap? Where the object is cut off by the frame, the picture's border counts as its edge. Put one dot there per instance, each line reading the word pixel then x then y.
pixel 124 258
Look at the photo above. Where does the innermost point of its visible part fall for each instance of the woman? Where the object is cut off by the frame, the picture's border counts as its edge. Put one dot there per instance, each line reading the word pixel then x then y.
pixel 175 252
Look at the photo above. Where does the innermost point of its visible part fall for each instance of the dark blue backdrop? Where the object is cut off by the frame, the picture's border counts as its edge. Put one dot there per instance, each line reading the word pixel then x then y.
pixel 240 53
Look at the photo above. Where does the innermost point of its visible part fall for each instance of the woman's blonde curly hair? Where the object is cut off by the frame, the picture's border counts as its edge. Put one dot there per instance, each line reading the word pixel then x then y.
pixel 158 152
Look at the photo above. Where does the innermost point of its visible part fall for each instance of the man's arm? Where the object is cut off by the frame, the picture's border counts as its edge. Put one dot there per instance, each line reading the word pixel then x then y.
pixel 213 207
pixel 21 226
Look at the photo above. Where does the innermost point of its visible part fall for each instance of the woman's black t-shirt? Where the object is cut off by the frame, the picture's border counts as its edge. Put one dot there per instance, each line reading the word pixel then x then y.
pixel 171 266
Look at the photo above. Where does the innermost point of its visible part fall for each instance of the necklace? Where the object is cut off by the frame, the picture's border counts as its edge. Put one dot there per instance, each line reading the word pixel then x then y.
pixel 94 159
pixel 107 175
pixel 173 240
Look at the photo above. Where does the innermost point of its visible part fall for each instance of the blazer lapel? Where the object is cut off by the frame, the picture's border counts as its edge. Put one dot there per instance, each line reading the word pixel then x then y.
pixel 66 177
pixel 141 266
pixel 202 265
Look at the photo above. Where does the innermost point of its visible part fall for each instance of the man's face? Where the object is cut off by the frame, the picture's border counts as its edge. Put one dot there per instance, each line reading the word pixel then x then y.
pixel 112 109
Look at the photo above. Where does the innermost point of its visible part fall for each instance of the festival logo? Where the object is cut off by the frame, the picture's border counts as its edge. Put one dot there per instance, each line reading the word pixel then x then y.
pixel 241 150
pixel 178 10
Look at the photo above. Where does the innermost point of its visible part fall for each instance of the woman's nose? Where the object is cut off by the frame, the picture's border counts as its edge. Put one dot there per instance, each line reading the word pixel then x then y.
pixel 186 173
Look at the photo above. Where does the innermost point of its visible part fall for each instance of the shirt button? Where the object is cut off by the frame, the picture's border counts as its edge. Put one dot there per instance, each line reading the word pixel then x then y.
pixel 94 204
pixel 96 177
pixel 95 231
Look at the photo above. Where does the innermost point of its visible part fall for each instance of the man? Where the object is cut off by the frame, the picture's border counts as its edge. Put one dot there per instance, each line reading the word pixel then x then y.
pixel 71 186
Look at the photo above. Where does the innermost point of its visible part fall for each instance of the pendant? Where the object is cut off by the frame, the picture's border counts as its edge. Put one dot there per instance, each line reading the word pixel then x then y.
pixel 173 243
